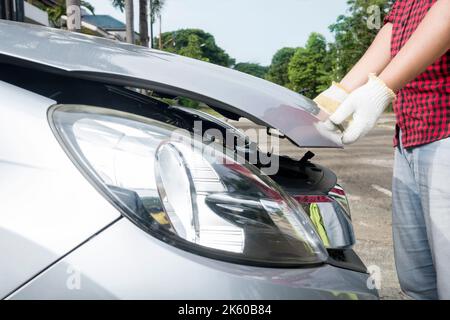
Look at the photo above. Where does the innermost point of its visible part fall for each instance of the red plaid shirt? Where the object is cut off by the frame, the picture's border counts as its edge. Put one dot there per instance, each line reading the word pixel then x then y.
pixel 422 107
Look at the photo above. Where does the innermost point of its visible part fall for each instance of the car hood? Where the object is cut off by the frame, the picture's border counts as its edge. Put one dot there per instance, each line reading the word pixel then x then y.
pixel 222 88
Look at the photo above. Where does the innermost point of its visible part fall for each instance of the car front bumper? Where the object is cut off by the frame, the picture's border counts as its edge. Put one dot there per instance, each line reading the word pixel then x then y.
pixel 124 262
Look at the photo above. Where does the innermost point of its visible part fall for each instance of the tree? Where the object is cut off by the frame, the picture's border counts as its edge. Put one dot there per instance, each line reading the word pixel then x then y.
pixel 119 4
pixel 177 40
pixel 193 49
pixel 278 70
pixel 143 22
pixel 129 17
pixel 155 10
pixel 308 71
pixel 154 6
pixel 355 32
pixel 128 7
pixel 254 69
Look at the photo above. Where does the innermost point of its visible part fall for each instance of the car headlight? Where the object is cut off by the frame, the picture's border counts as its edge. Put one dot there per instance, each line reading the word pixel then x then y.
pixel 189 194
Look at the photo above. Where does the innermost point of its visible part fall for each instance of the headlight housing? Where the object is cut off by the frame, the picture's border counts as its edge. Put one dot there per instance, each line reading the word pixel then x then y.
pixel 194 196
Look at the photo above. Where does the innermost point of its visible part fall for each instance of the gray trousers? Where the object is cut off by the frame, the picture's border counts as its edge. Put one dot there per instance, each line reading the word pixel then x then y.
pixel 421 219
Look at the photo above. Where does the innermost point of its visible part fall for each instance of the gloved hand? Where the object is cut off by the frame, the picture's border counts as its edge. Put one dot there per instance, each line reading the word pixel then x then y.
pixel 331 99
pixel 366 103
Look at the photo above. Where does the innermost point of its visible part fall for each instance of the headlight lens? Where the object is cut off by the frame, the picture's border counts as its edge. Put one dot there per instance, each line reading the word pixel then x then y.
pixel 194 196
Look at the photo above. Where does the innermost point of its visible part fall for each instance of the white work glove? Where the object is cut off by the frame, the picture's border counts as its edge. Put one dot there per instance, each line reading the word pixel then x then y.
pixel 330 99
pixel 366 103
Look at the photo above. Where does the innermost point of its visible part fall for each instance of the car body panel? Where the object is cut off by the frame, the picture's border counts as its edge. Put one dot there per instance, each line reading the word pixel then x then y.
pixel 123 262
pixel 109 61
pixel 47 208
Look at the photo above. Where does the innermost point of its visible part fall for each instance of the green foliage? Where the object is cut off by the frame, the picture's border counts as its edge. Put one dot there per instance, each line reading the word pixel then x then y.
pixel 208 50
pixel 193 49
pixel 189 103
pixel 278 70
pixel 309 70
pixel 254 69
pixel 55 13
pixel 353 35
pixel 119 4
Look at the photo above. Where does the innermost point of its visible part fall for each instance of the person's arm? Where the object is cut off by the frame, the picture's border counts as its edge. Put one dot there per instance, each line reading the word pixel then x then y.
pixel 376 58
pixel 429 42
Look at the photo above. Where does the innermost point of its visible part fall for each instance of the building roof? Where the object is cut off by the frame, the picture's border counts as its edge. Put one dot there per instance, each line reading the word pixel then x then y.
pixel 104 21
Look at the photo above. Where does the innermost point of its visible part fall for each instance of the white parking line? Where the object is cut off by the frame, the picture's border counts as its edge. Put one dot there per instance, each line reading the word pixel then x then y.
pixel 386 126
pixel 382 190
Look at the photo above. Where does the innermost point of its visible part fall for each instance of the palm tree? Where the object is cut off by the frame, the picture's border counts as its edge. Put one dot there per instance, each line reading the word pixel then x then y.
pixel 145 6
pixel 155 10
pixel 143 22
pixel 156 7
pixel 126 5
pixel 129 14
pixel 120 4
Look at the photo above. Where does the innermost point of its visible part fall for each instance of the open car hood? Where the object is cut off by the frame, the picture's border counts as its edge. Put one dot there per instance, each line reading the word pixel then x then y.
pixel 226 90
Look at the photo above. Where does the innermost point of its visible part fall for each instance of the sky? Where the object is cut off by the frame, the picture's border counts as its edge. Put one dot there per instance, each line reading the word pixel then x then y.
pixel 248 30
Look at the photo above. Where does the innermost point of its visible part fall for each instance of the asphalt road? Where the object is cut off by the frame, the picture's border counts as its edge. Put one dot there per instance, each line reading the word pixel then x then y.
pixel 364 169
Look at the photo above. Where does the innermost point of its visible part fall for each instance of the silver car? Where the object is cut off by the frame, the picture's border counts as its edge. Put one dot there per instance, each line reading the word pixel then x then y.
pixel 108 191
